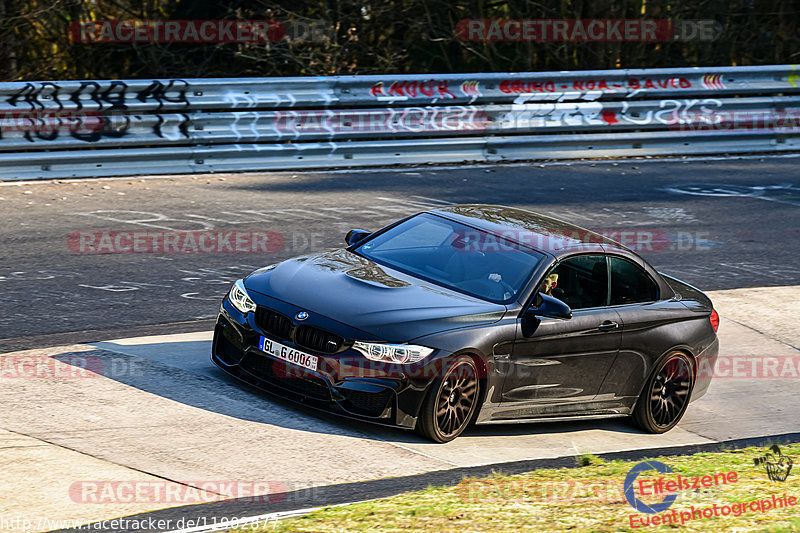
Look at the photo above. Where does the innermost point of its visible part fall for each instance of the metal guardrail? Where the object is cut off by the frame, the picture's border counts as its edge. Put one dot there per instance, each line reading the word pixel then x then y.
pixel 135 127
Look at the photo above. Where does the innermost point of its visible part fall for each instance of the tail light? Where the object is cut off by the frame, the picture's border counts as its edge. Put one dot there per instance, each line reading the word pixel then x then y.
pixel 714 318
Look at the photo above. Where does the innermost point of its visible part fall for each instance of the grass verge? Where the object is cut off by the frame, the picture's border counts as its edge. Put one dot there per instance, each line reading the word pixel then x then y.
pixel 588 498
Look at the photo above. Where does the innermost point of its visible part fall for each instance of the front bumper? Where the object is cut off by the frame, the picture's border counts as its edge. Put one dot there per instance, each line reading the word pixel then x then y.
pixel 345 383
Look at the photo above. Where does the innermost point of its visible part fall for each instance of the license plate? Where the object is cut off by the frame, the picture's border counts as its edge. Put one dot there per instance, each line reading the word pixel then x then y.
pixel 290 355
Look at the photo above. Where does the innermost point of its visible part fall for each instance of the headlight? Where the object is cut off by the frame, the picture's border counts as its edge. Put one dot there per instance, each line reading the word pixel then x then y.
pixel 239 298
pixel 392 353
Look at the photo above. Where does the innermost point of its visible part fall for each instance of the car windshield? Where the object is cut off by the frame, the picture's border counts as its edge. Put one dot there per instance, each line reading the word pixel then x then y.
pixel 455 256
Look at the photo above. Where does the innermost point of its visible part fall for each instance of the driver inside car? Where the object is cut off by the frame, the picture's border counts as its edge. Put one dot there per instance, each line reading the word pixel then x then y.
pixel 550 282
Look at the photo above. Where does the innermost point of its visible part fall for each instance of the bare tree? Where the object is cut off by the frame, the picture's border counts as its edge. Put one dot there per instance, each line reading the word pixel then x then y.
pixel 327 37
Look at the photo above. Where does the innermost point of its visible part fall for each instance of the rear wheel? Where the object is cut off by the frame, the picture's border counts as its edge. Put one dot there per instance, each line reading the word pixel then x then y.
pixel 666 394
pixel 451 402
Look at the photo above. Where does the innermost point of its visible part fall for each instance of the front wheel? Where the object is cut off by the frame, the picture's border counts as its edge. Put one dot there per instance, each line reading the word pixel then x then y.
pixel 666 394
pixel 451 402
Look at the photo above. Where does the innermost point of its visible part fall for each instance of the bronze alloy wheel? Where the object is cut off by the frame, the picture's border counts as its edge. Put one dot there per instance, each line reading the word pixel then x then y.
pixel 666 395
pixel 451 402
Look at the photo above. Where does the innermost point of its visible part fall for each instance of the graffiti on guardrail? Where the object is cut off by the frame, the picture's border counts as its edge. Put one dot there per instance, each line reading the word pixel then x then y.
pixel 105 95
pixel 433 88
pixel 677 114
pixel 669 112
pixel 89 112
pixel 403 89
pixel 471 88
pixel 517 86
pixel 410 119
pixel 47 124
pixel 242 124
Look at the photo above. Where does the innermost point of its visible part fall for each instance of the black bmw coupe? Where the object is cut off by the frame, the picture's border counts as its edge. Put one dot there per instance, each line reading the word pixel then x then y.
pixel 472 314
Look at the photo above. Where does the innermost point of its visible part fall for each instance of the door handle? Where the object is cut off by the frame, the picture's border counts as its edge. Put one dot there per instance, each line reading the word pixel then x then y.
pixel 608 325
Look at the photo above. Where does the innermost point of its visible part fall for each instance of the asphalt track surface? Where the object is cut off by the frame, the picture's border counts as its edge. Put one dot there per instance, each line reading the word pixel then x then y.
pixel 728 223
pixel 720 224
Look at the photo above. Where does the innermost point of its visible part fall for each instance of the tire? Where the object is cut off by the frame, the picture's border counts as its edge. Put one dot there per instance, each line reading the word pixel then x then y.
pixel 666 394
pixel 451 402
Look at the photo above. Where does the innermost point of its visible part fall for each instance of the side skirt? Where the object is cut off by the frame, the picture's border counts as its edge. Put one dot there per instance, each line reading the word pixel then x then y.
pixel 575 418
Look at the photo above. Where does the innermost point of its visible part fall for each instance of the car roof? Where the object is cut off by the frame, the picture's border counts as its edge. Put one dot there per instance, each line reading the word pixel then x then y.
pixel 540 232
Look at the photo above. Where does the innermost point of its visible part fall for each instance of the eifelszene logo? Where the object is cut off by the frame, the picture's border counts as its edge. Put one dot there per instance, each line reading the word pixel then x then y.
pixel 630 493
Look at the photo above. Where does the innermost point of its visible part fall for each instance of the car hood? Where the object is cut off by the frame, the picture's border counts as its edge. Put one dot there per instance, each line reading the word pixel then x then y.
pixel 376 299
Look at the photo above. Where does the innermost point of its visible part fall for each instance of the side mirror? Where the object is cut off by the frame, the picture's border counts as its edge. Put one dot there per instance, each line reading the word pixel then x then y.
pixel 547 306
pixel 355 235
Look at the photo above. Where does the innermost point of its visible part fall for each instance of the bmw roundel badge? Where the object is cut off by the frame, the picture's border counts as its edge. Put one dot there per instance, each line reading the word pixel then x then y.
pixel 302 315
